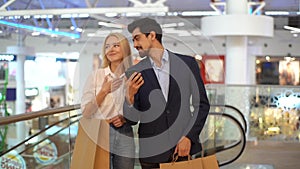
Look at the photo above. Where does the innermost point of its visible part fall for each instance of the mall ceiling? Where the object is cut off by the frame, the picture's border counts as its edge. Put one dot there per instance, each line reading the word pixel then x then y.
pixel 62 19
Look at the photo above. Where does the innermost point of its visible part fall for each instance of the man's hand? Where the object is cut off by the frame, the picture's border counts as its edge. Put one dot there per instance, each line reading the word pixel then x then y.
pixel 133 84
pixel 183 147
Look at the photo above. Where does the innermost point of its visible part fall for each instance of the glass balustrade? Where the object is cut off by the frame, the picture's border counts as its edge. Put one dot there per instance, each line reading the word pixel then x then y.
pixel 272 112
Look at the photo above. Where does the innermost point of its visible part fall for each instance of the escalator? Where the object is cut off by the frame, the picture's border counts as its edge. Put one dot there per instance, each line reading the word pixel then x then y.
pixel 51 147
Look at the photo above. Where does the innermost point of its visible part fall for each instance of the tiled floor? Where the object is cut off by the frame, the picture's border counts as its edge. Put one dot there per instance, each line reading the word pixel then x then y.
pixel 268 155
pixel 248 166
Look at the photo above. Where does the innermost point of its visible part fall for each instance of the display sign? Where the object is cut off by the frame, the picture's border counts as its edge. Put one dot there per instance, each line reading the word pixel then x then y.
pixel 213 69
pixel 7 57
pixel 45 153
pixel 289 72
pixel 31 92
pixel 12 160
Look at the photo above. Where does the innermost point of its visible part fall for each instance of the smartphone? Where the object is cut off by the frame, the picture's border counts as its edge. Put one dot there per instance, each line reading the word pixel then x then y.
pixel 128 73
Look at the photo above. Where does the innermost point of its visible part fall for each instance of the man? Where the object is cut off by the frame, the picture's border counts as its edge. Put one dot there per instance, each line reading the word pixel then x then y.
pixel 166 95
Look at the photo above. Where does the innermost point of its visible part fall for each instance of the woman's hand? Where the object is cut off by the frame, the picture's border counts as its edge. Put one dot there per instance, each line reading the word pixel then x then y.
pixel 109 85
pixel 117 121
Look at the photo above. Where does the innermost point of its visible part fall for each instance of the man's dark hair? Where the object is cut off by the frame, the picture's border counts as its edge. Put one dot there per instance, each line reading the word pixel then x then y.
pixel 146 25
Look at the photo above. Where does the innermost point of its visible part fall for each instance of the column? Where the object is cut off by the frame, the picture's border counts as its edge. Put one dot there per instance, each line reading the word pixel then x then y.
pixel 236 47
pixel 236 26
pixel 236 56
pixel 21 51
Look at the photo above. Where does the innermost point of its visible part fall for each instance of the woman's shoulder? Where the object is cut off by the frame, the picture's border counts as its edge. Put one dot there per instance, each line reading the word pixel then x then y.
pixel 100 70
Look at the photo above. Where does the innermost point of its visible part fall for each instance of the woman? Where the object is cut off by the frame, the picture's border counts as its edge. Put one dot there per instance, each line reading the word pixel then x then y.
pixel 103 98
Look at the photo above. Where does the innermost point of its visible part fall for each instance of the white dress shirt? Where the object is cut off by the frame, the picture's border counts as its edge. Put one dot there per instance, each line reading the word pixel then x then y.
pixel 163 73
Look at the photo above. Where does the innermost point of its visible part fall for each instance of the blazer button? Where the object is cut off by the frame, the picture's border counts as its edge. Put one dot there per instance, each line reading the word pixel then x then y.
pixel 168 112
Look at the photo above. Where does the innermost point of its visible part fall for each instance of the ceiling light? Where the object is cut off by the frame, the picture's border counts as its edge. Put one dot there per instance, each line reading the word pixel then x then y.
pixel 292 28
pixel 294 32
pixel 168 25
pixel 35 33
pixel 39 29
pixel 172 13
pixel 74 16
pixel 26 16
pixel 199 13
pixel 42 16
pixel 277 13
pixel 111 14
pixel 180 24
pixel 133 14
pixel 82 15
pixel 111 25
pixel 159 14
pixel 91 34
pixel 79 29
pixel 196 33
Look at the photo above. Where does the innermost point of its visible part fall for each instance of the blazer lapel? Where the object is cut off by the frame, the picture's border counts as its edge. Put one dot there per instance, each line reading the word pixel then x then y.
pixel 174 67
pixel 150 74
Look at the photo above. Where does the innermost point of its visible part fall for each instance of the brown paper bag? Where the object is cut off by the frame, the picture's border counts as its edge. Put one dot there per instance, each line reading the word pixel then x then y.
pixel 189 164
pixel 210 162
pixel 91 150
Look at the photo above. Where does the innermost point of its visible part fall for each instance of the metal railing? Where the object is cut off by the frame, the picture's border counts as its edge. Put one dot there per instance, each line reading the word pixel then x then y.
pixel 222 149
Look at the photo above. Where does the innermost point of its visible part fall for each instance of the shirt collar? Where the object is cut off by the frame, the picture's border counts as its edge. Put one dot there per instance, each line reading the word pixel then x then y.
pixel 107 71
pixel 165 58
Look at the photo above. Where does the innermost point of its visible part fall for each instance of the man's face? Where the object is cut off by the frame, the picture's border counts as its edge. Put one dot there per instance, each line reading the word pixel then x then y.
pixel 141 42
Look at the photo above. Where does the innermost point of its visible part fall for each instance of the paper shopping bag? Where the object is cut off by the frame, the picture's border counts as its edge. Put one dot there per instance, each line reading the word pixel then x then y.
pixel 207 162
pixel 189 164
pixel 210 162
pixel 91 150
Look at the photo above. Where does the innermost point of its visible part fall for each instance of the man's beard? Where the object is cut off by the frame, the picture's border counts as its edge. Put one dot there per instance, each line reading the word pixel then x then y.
pixel 143 53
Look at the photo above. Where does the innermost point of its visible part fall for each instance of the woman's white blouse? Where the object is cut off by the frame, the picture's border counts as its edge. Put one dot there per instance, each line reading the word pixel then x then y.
pixel 112 105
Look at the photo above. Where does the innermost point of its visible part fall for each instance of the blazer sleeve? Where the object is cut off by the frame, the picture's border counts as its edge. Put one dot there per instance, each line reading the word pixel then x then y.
pixel 200 103
pixel 131 113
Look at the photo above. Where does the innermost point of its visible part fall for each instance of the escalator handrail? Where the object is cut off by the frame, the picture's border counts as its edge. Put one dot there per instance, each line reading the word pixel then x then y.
pixel 27 116
pixel 48 136
pixel 32 115
pixel 243 139
pixel 38 133
pixel 206 151
pixel 237 110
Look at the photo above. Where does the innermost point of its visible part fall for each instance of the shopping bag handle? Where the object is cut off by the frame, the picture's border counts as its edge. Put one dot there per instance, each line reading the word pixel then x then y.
pixel 175 157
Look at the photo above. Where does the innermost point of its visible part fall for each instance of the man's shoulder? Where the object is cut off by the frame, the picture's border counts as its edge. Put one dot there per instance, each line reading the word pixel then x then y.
pixel 182 56
pixel 186 58
pixel 140 65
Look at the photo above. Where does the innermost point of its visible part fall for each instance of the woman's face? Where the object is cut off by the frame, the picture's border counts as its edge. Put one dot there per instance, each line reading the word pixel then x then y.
pixel 113 50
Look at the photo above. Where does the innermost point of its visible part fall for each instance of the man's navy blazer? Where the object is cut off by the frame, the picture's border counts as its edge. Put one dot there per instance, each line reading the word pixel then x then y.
pixel 163 123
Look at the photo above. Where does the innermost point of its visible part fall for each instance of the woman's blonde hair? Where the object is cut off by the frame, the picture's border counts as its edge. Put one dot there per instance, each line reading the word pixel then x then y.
pixel 125 48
